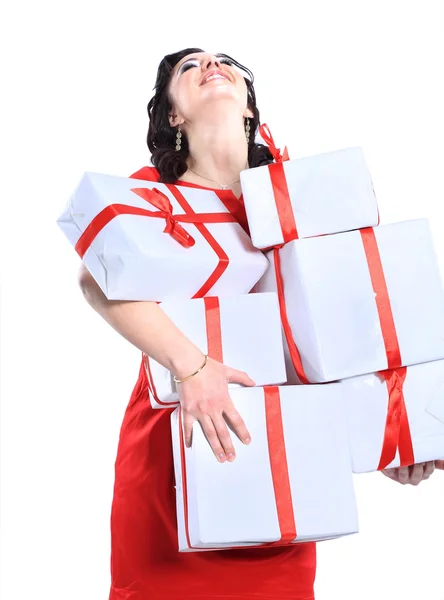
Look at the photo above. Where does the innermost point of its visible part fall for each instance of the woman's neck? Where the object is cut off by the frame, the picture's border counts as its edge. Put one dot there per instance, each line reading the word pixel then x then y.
pixel 218 153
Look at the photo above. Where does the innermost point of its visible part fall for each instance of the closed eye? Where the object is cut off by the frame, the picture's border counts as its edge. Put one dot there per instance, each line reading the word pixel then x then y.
pixel 188 64
pixel 226 61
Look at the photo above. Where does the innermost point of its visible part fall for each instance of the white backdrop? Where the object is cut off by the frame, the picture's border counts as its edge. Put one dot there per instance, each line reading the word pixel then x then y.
pixel 78 76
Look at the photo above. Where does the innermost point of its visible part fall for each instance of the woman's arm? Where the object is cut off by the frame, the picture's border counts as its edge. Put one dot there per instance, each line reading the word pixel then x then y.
pixel 203 397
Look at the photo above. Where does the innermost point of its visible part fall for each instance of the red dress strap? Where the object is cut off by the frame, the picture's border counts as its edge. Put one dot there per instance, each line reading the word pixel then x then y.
pixel 146 173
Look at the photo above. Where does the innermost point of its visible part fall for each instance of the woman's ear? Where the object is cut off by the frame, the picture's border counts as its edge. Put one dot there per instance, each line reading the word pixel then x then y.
pixel 248 113
pixel 175 120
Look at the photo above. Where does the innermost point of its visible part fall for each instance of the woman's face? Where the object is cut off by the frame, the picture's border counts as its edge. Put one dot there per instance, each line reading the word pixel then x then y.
pixel 199 80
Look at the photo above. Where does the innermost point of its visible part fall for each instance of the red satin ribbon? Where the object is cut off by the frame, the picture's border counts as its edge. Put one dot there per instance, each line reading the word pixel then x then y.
pixel 279 465
pixel 280 187
pixel 199 224
pixel 292 348
pixel 160 201
pixel 214 332
pixel 214 344
pixel 268 139
pixel 397 434
pixel 283 202
pixel 379 284
pixel 279 469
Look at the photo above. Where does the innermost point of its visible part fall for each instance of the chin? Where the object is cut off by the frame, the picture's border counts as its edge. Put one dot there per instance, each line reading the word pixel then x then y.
pixel 223 93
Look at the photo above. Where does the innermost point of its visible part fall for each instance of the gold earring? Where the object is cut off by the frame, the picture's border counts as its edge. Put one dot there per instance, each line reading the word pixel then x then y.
pixel 178 139
pixel 247 130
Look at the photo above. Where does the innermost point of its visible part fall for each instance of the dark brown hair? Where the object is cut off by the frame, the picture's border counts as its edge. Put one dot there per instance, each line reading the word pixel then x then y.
pixel 161 138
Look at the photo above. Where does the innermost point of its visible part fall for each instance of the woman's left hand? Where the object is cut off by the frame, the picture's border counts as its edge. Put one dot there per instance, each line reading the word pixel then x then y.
pixel 412 475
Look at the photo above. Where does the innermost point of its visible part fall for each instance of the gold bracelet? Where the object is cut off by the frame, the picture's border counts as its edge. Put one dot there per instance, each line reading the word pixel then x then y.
pixel 192 374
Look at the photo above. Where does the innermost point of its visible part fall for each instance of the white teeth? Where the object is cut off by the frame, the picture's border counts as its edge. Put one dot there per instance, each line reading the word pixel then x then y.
pixel 214 77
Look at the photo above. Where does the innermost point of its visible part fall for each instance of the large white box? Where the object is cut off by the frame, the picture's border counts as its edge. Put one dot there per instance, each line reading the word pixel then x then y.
pixel 297 464
pixel 133 258
pixel 332 302
pixel 243 332
pixel 367 401
pixel 316 195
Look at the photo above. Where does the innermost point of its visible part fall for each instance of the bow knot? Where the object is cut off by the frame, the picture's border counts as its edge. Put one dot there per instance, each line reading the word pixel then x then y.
pixel 268 139
pixel 163 204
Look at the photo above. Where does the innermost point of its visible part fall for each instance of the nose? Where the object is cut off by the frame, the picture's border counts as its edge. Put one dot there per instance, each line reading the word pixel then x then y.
pixel 211 62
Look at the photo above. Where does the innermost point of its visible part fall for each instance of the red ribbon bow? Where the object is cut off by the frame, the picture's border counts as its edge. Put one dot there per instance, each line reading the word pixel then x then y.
pixel 160 201
pixel 268 139
pixel 172 226
pixel 397 435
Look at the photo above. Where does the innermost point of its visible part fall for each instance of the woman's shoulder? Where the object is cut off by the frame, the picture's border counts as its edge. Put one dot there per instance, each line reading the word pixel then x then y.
pixel 146 173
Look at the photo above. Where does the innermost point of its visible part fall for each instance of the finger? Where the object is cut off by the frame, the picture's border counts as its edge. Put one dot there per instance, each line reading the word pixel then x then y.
pixel 236 423
pixel 392 473
pixel 235 376
pixel 403 475
pixel 213 438
pixel 439 464
pixel 224 437
pixel 416 474
pixel 188 421
pixel 429 467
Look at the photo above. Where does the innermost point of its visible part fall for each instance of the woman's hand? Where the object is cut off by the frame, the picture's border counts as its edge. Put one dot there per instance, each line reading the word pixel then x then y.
pixel 205 398
pixel 414 474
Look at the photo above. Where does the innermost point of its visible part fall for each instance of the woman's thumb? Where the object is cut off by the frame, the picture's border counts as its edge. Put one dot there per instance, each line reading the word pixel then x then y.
pixel 439 464
pixel 235 376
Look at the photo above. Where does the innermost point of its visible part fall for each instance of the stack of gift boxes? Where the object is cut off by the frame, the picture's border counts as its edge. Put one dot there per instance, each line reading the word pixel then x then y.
pixel 343 336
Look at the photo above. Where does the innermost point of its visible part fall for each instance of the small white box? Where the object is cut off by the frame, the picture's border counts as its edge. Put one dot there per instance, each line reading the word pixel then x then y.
pixel 316 195
pixel 367 402
pixel 245 332
pixel 299 445
pixel 332 306
pixel 132 257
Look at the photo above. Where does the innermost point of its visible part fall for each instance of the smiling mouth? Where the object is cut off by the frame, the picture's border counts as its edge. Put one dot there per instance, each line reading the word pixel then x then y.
pixel 212 77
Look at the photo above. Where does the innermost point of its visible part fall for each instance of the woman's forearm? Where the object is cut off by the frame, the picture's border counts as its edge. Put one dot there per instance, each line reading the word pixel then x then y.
pixel 146 326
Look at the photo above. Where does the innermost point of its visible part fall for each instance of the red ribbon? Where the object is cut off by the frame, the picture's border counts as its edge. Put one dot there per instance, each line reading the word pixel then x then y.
pixel 199 224
pixel 279 470
pixel 397 434
pixel 214 344
pixel 292 348
pixel 268 139
pixel 283 202
pixel 279 465
pixel 213 327
pixel 160 201
pixel 280 187
pixel 379 284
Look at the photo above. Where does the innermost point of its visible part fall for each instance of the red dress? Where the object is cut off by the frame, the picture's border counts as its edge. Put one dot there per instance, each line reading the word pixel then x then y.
pixel 145 562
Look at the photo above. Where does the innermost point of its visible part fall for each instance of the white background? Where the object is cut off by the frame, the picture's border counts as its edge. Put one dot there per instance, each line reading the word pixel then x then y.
pixel 76 77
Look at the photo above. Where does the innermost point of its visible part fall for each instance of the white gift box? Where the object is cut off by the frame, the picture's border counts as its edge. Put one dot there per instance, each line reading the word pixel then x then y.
pixel 316 195
pixel 243 332
pixel 338 313
pixel 132 257
pixel 367 401
pixel 292 483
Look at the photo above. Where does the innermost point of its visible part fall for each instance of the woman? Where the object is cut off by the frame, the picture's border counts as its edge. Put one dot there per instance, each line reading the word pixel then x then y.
pixel 203 120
